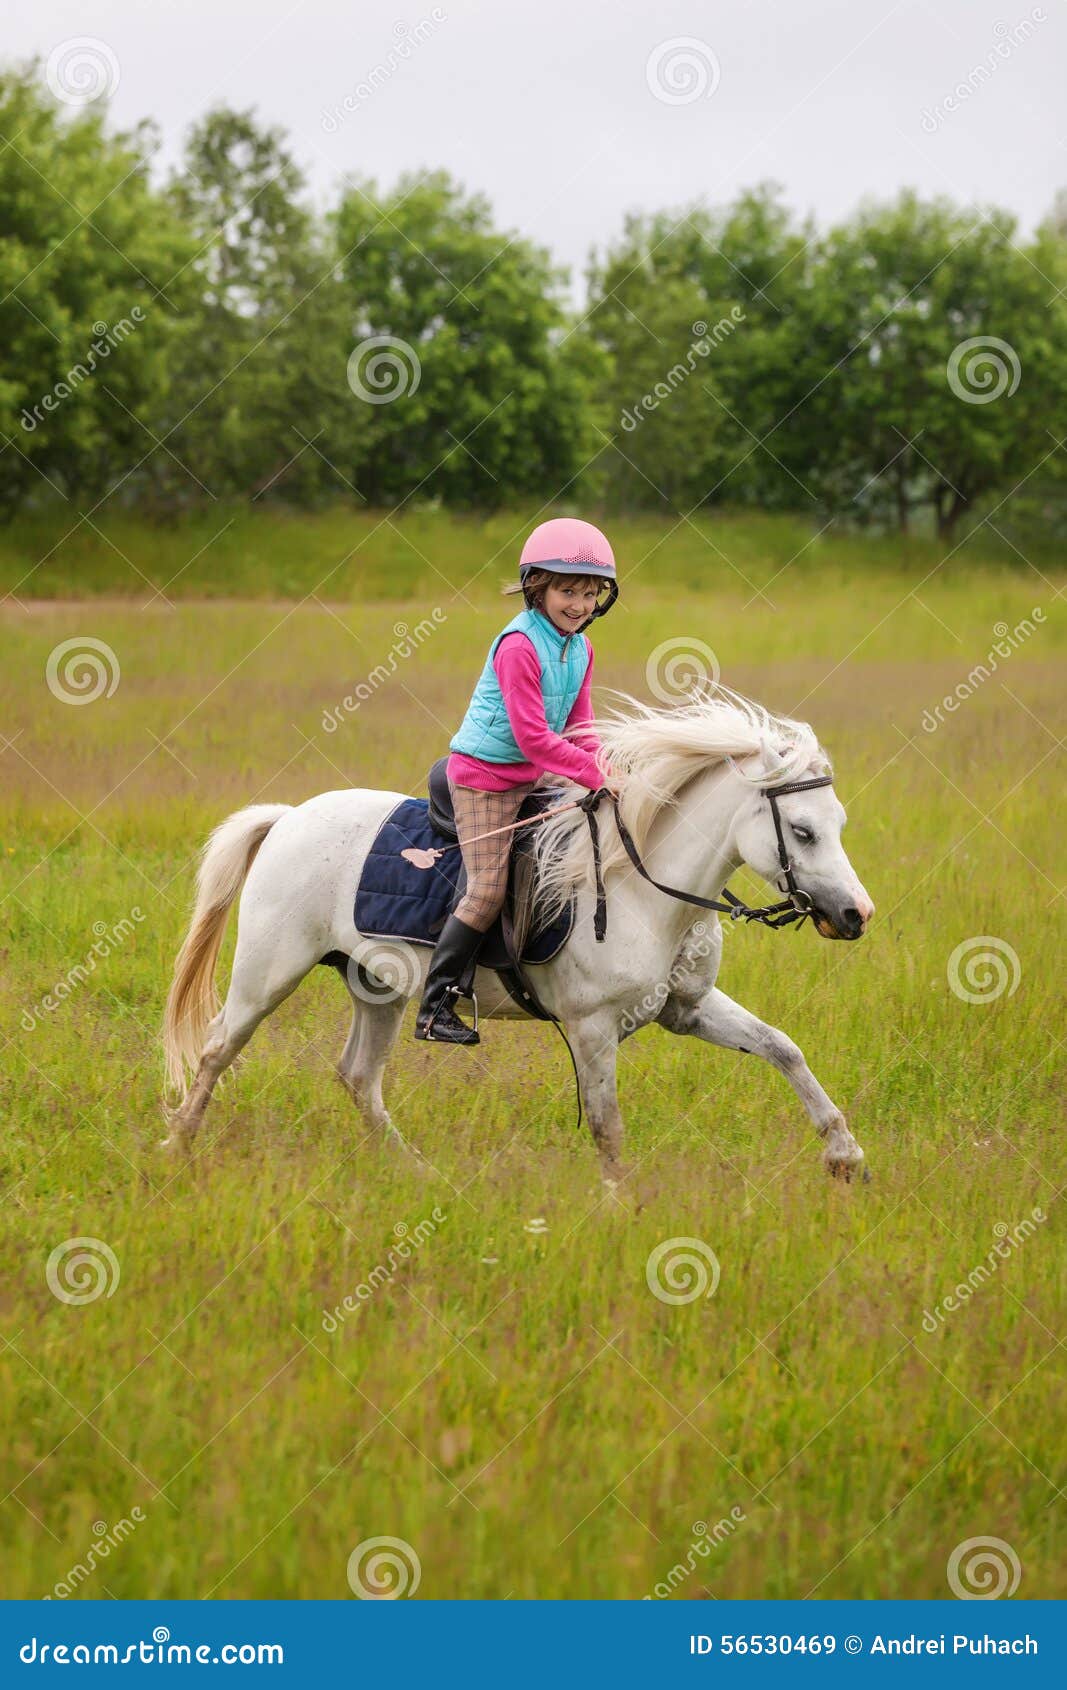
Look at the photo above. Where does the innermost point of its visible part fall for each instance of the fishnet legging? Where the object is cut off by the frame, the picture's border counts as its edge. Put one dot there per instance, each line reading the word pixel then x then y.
pixel 486 861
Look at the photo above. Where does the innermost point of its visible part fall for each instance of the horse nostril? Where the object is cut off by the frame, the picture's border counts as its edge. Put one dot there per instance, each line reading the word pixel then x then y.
pixel 852 919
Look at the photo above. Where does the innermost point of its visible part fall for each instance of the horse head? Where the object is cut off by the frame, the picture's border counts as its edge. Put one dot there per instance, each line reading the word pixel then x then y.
pixel 789 832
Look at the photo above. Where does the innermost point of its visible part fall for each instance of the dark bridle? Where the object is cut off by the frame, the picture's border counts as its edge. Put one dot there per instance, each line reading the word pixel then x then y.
pixel 797 905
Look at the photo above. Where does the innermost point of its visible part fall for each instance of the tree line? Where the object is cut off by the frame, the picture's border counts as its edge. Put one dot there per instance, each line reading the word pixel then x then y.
pixel 213 336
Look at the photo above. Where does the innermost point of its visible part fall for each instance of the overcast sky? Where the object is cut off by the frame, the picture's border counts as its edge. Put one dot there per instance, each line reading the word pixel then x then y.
pixel 569 113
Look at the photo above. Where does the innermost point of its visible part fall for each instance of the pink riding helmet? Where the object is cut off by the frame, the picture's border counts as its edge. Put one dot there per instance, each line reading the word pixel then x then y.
pixel 567 546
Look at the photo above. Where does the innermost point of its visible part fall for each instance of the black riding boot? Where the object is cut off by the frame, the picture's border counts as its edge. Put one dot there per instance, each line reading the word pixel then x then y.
pixel 436 1019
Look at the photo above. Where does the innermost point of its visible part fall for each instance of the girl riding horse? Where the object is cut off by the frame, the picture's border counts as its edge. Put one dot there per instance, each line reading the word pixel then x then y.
pixel 533 690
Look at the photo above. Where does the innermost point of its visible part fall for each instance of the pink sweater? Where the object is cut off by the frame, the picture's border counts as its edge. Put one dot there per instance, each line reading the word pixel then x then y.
pixel 518 670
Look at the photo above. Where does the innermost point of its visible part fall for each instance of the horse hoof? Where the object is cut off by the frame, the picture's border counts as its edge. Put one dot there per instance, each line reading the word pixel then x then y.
pixel 847 1167
pixel 618 1196
pixel 404 1155
pixel 842 1158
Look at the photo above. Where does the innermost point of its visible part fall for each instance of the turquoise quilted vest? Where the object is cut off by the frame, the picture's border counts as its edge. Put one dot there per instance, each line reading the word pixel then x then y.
pixel 485 730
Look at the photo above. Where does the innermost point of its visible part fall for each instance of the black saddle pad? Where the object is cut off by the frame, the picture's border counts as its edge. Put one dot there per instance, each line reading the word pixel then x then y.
pixel 396 900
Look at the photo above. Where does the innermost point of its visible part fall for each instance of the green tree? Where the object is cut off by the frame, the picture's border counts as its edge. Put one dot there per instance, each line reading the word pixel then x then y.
pixel 261 405
pixel 929 360
pixel 91 297
pixel 689 313
pixel 459 356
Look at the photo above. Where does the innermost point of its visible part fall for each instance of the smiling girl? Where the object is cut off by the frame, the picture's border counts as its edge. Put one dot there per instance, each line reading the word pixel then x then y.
pixel 534 689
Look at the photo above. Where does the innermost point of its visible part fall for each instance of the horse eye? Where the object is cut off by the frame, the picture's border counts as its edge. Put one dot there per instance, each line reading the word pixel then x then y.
pixel 803 834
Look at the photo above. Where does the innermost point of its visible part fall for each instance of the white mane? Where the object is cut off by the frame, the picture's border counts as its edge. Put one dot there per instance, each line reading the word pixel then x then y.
pixel 657 753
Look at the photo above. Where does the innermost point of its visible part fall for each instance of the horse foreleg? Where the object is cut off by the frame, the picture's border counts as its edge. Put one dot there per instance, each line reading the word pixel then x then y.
pixel 721 1021
pixel 595 1042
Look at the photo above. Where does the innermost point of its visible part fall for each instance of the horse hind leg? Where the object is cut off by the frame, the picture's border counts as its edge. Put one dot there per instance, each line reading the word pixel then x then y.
pixel 252 996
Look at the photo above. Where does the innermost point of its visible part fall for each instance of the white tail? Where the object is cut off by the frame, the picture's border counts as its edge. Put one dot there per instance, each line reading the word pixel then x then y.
pixel 193 1002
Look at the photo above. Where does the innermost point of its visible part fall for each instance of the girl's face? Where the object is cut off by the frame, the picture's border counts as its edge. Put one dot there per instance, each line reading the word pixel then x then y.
pixel 568 604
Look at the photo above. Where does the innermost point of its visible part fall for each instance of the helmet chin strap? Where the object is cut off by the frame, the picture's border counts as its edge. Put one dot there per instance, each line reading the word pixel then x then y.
pixel 599 610
pixel 602 609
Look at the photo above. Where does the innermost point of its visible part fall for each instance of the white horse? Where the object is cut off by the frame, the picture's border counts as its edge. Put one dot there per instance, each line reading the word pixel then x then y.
pixel 694 798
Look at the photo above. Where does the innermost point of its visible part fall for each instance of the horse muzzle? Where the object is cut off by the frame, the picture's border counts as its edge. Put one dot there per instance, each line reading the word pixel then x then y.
pixel 848 923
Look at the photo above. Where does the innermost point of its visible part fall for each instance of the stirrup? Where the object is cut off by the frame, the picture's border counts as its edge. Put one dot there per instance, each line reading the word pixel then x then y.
pixel 452 997
pixel 455 1031
pixel 464 1035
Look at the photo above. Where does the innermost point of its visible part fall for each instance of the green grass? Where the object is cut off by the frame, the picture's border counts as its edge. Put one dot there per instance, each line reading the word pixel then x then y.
pixel 517 1406
pixel 350 553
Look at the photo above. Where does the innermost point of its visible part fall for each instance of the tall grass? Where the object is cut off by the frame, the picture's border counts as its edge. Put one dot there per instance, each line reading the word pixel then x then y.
pixel 348 552
pixel 516 1404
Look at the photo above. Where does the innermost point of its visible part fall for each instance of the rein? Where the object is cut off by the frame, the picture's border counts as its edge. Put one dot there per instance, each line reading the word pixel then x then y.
pixel 427 858
pixel 797 906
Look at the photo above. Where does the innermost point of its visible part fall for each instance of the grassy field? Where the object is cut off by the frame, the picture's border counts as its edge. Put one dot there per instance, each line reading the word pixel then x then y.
pixel 513 1402
pixel 349 553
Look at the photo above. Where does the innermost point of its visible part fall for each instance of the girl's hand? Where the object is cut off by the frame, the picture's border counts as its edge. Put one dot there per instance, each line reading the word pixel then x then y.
pixel 613 783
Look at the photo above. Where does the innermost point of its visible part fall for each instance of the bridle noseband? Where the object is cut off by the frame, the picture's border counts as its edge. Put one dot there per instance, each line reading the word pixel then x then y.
pixel 797 905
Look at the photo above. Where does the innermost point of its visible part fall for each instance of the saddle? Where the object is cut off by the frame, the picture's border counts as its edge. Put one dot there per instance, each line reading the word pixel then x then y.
pixel 440 800
pixel 397 900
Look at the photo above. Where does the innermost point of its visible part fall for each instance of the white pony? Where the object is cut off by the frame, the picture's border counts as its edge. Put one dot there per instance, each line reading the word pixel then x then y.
pixel 694 798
